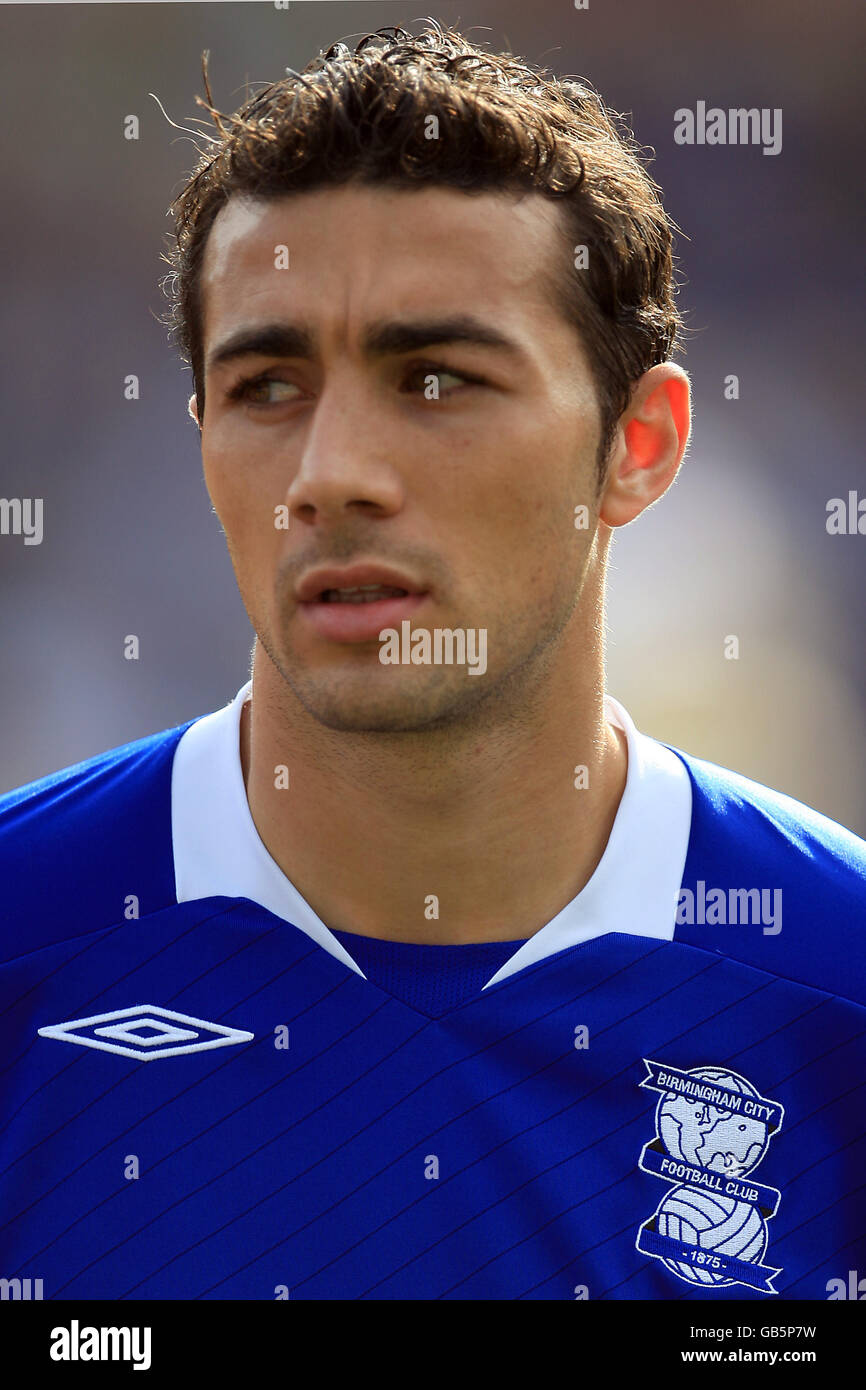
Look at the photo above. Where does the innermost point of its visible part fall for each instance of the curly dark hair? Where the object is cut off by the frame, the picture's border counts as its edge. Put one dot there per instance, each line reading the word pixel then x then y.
pixel 363 115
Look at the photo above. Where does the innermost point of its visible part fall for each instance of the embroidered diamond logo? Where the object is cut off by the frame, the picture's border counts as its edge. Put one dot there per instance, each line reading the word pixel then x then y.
pixel 145 1032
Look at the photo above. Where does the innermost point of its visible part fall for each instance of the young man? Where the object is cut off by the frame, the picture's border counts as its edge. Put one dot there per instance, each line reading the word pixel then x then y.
pixel 458 986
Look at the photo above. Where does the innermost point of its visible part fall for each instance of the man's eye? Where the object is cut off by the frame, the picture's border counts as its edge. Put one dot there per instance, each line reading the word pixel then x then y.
pixel 264 390
pixel 436 381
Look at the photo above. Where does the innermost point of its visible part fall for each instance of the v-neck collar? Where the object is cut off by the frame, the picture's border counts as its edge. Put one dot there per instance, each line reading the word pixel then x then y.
pixel 218 852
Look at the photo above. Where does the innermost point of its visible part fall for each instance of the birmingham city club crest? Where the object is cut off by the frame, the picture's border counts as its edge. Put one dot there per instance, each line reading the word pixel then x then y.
pixel 713 1128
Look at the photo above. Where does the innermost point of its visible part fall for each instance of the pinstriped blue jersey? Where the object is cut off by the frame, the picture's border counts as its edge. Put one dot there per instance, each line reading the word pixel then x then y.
pixel 201 1100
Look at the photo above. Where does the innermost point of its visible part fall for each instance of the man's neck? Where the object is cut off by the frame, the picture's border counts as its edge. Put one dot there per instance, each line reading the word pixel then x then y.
pixel 432 839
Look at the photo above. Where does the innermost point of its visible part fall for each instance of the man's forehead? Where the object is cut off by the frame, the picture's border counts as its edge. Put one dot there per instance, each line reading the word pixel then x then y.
pixel 442 240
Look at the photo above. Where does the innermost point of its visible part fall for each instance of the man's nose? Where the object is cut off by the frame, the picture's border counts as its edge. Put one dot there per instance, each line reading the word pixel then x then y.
pixel 346 463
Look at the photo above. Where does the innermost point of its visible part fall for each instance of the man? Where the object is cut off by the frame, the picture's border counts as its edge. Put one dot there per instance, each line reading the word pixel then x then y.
pixel 458 985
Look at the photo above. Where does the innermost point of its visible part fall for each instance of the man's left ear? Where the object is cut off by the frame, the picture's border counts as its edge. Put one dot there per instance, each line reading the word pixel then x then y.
pixel 651 440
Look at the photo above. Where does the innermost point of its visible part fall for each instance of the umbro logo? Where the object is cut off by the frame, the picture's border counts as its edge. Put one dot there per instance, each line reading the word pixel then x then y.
pixel 145 1032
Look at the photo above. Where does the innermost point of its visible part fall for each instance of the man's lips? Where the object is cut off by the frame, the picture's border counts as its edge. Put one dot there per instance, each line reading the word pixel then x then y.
pixel 312 585
pixel 359 622
pixel 355 603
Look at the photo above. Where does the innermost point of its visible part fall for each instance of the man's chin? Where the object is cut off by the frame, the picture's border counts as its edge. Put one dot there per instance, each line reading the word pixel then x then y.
pixel 366 705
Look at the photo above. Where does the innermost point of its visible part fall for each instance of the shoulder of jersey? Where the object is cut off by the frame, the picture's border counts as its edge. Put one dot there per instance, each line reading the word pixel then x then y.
pixel 75 845
pixel 747 836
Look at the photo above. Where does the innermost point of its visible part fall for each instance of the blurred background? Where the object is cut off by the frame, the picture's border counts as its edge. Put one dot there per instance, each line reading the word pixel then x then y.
pixel 771 272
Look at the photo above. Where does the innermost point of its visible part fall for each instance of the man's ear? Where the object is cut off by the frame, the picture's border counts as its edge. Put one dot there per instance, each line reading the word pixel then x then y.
pixel 192 410
pixel 651 440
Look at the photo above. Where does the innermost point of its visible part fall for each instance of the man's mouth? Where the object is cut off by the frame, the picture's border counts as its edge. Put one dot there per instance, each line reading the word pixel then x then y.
pixel 362 593
pixel 356 603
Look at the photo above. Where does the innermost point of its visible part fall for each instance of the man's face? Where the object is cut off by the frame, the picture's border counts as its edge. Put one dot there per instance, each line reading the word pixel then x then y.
pixel 462 506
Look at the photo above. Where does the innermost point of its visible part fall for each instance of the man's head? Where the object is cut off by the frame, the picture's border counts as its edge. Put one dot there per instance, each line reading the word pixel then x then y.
pixel 397 338
pixel 434 109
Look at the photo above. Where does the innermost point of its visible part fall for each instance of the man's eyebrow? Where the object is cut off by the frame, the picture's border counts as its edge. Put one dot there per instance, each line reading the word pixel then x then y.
pixel 379 340
pixel 397 337
pixel 267 340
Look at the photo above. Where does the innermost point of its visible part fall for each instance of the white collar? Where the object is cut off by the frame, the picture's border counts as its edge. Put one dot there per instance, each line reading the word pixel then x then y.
pixel 218 852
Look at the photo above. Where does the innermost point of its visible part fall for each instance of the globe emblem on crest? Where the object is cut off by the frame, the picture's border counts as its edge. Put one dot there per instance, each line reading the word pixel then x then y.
pixel 708 1135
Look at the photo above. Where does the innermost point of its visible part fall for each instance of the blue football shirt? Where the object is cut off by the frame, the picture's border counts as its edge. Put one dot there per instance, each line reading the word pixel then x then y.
pixel 206 1093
